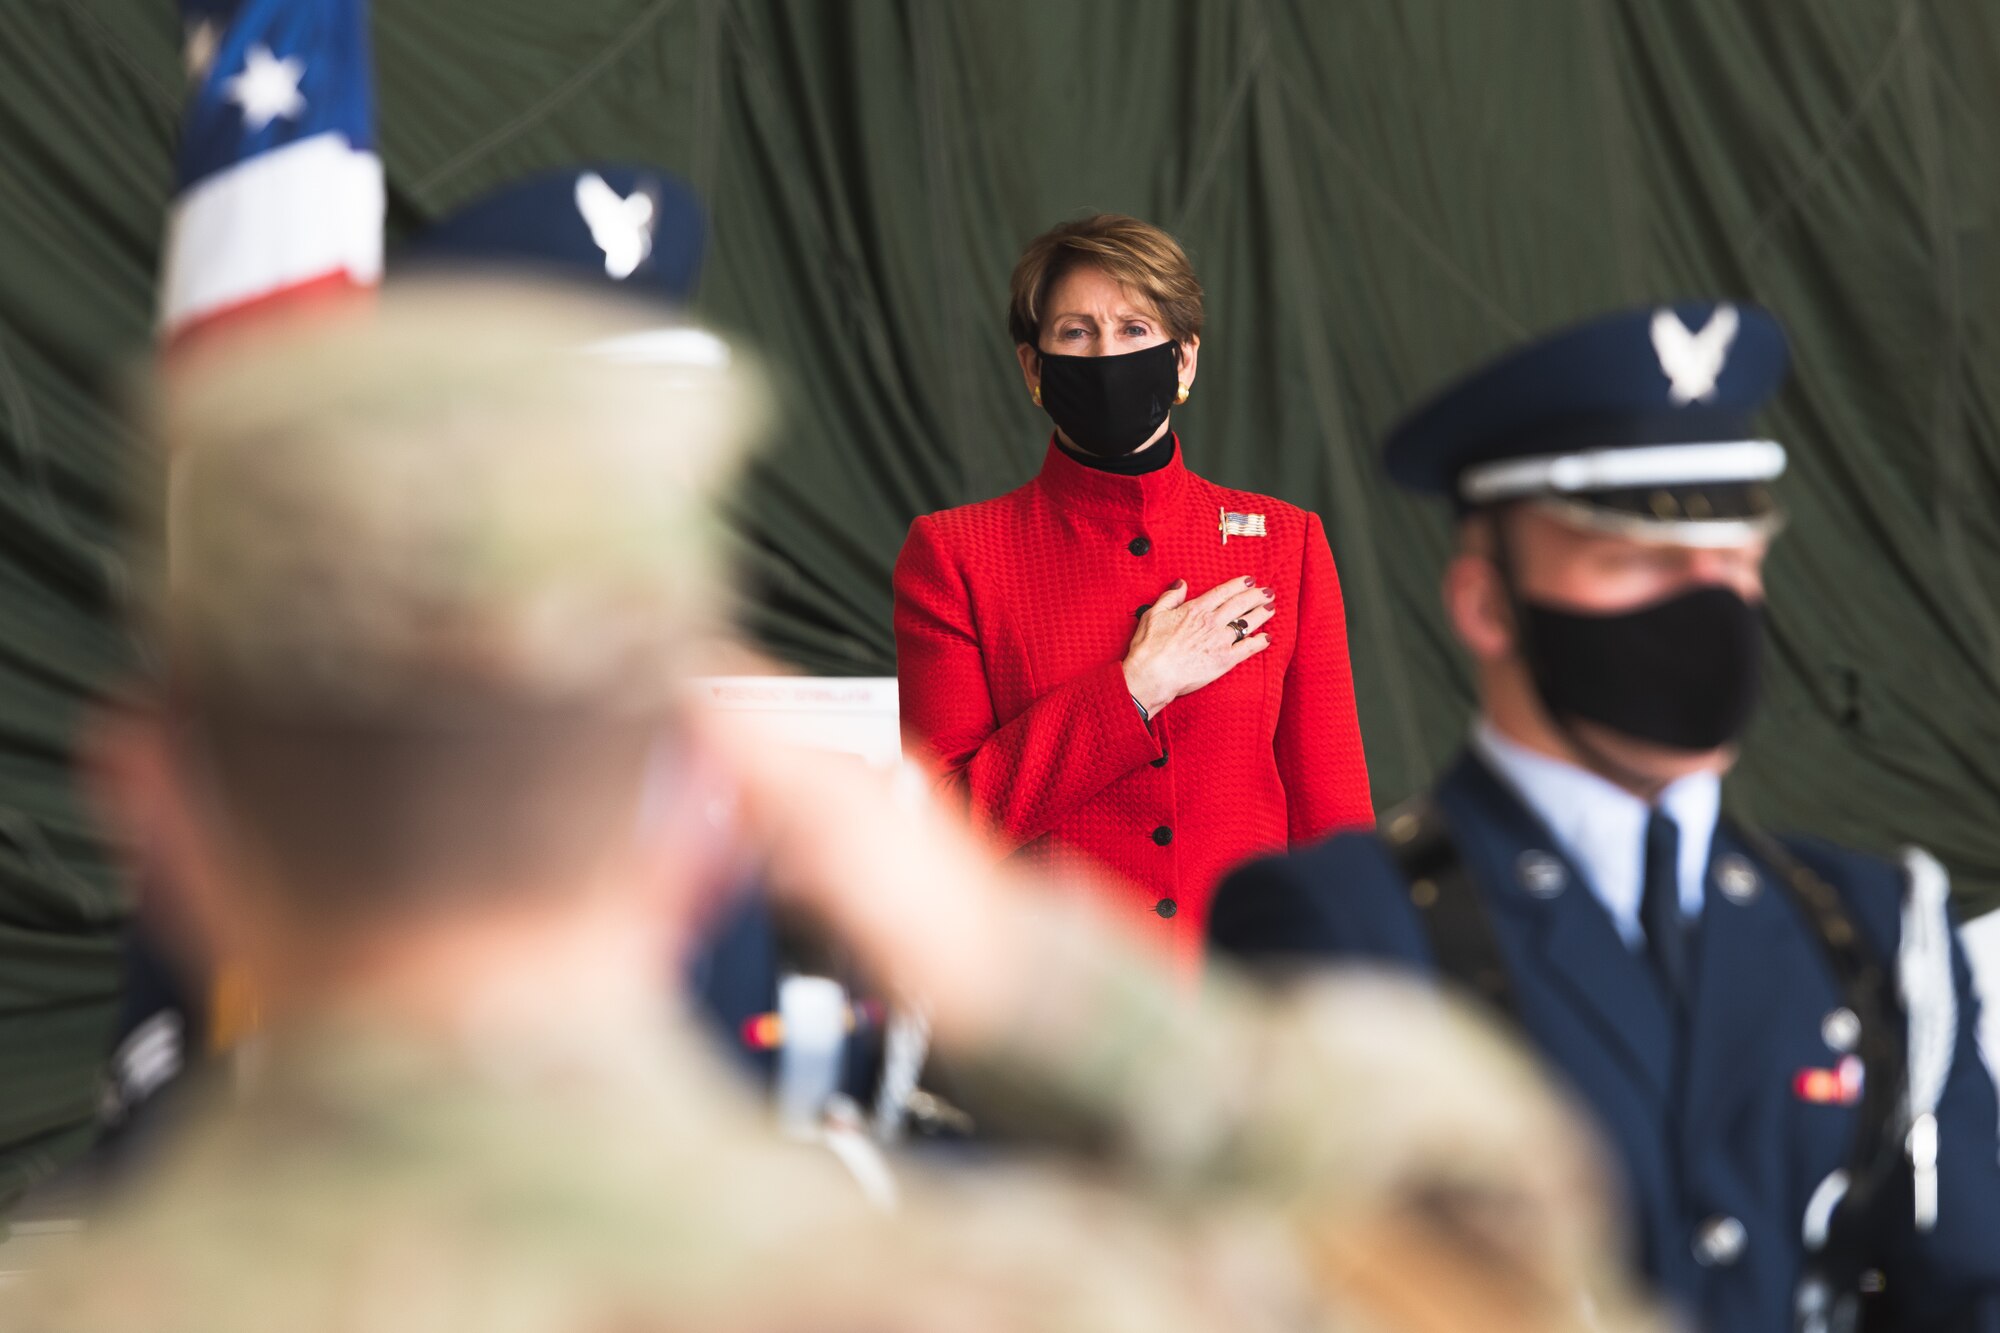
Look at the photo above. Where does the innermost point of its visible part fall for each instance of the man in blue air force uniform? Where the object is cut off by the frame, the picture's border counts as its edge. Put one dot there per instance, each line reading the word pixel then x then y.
pixel 1778 1037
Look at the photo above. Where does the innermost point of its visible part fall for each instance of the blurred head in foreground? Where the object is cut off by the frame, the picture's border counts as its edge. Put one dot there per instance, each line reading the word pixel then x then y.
pixel 432 575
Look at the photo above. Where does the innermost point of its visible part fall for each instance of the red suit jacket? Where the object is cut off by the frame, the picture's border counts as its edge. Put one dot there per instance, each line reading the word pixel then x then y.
pixel 1012 620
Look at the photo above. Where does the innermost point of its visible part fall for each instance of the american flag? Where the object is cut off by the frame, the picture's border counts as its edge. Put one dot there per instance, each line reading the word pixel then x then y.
pixel 280 188
pixel 1240 525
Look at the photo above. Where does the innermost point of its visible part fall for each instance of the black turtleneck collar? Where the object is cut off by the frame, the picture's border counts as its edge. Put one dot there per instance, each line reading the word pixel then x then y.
pixel 1136 464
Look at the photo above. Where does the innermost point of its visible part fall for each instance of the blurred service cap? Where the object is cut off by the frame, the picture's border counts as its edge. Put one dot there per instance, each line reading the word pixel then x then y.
pixel 464 493
pixel 631 226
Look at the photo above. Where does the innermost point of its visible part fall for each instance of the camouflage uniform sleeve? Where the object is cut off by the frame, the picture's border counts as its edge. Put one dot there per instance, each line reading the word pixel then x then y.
pixel 1408 1146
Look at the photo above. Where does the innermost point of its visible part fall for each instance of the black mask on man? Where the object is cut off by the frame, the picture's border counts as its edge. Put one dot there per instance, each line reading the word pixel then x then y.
pixel 1683 672
pixel 1109 405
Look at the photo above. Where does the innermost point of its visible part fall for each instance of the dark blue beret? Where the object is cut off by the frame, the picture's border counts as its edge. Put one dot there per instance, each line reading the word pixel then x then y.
pixel 635 228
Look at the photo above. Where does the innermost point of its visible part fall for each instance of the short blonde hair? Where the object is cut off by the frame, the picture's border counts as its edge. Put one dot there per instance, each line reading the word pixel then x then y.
pixel 1132 253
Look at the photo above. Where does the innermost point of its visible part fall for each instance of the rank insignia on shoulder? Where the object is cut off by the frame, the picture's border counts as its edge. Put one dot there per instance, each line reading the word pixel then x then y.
pixel 1839 1086
pixel 1240 525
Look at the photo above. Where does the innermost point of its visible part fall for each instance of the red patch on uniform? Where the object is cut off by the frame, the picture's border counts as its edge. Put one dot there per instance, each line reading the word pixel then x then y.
pixel 1839 1086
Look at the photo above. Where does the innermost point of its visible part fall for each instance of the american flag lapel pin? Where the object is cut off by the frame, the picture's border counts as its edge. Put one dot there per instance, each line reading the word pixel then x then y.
pixel 1239 525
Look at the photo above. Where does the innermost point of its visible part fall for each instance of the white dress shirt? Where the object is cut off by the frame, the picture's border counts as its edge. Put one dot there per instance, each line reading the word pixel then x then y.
pixel 1602 827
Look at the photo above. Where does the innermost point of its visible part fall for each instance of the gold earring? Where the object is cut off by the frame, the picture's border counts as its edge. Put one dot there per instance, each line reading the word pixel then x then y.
pixel 1181 397
pixel 1038 395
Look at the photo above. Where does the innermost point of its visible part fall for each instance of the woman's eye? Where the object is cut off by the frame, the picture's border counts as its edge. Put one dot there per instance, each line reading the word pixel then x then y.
pixel 1070 334
pixel 1136 330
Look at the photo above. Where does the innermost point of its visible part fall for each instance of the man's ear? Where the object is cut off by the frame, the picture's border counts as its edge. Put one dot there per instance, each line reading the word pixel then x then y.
pixel 133 780
pixel 120 757
pixel 1477 604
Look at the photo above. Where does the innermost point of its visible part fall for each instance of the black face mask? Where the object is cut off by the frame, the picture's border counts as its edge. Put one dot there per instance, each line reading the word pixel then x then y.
pixel 1682 673
pixel 1109 405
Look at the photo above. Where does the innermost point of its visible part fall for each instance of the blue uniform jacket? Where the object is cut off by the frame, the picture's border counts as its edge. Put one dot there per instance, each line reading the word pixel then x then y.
pixel 1728 1137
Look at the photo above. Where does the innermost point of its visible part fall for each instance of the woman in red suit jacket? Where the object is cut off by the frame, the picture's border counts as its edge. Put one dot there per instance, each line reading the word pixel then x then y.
pixel 1121 663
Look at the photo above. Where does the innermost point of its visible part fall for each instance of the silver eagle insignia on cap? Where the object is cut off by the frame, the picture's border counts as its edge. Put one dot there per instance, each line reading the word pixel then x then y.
pixel 1693 361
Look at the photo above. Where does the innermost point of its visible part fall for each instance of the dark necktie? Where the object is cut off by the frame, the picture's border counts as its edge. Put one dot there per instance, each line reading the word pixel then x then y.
pixel 1660 907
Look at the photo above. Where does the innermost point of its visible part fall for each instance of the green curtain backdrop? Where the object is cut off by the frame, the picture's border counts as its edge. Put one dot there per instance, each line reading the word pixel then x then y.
pixel 1375 193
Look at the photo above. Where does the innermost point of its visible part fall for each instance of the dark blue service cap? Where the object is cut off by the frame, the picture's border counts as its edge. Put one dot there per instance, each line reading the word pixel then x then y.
pixel 1638 421
pixel 635 228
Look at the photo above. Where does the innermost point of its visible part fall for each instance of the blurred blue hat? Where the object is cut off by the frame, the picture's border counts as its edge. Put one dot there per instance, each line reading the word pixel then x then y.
pixel 1637 422
pixel 635 228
